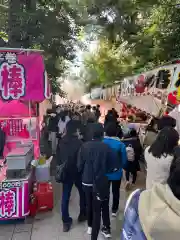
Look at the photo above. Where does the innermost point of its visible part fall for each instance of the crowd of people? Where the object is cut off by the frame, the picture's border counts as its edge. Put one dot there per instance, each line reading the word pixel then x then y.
pixel 154 213
pixel 94 156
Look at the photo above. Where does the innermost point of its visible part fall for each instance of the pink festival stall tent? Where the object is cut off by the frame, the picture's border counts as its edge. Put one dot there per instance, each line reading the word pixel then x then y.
pixel 15 108
pixel 23 86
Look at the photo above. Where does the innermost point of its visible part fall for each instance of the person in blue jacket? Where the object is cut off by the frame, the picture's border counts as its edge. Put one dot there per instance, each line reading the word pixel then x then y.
pixel 120 149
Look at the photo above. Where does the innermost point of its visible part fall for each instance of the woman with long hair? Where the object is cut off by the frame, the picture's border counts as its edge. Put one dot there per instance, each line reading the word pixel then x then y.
pixel 160 155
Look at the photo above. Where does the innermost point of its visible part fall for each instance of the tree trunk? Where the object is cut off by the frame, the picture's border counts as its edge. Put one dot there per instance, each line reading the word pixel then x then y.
pixel 14 24
pixel 31 5
pixel 21 23
pixel 30 9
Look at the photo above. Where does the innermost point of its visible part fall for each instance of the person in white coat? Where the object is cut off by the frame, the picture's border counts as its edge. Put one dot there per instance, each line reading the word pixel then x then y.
pixel 64 119
pixel 159 156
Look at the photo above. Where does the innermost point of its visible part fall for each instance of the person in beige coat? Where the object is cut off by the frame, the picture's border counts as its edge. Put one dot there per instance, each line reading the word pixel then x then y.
pixel 159 156
pixel 154 214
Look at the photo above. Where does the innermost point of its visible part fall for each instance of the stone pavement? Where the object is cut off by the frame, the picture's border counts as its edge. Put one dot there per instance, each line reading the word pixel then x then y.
pixel 48 226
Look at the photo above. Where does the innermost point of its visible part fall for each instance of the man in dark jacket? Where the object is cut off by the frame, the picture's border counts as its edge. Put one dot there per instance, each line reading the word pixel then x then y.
pixel 110 118
pixel 67 152
pixel 166 121
pixel 95 160
pixel 52 128
pixel 115 113
pixel 87 130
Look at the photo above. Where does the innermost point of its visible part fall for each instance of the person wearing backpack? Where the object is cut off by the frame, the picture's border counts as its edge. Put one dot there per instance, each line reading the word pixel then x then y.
pixel 134 151
pixel 119 148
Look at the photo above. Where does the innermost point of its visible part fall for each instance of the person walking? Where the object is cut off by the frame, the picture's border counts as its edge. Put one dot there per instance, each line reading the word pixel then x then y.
pixel 53 129
pixel 151 132
pixel 155 213
pixel 63 120
pixel 88 130
pixel 115 178
pixel 98 112
pixel 95 160
pixel 134 152
pixel 67 155
pixel 166 121
pixel 115 113
pixel 88 114
pixel 160 155
pixel 110 118
pixel 45 148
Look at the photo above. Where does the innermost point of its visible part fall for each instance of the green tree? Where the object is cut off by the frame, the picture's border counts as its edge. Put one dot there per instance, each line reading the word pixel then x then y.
pixel 107 64
pixel 49 25
pixel 149 30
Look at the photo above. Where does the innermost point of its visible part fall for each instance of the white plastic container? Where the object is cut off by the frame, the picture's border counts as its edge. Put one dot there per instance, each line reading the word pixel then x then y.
pixel 19 158
pixel 42 172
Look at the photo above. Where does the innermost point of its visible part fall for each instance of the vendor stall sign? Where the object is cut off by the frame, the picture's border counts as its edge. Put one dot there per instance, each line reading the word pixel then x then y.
pixel 133 86
pixel 12 77
pixel 7 203
pixel 127 88
pixel 23 76
pixel 174 88
pixel 140 84
pixel 19 128
pixel 9 185
pixel 12 127
pixel 14 202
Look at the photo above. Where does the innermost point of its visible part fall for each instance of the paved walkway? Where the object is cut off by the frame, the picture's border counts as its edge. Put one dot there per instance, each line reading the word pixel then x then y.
pixel 48 226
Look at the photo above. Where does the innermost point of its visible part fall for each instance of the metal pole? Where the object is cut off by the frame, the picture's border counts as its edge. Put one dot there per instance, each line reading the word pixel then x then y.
pixel 30 125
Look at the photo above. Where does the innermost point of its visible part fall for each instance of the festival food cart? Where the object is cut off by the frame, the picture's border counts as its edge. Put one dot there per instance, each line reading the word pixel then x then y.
pixel 23 85
pixel 152 91
pixel 155 92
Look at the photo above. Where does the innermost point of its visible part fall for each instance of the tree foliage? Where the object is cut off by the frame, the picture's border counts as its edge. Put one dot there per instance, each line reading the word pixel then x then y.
pixel 148 30
pixel 49 25
pixel 107 64
pixel 132 35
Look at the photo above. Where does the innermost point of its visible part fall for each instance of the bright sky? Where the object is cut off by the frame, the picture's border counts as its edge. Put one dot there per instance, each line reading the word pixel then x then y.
pixel 80 54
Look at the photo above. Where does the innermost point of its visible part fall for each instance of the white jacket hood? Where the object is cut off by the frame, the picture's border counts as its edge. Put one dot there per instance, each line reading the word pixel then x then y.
pixel 157 169
pixel 159 213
